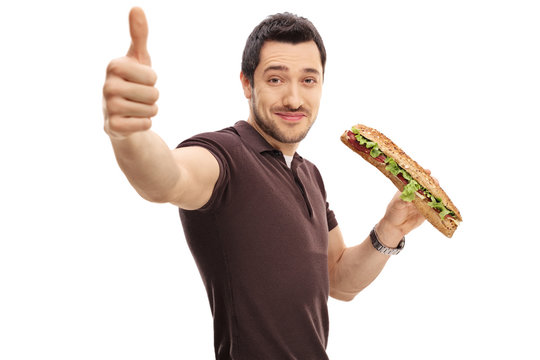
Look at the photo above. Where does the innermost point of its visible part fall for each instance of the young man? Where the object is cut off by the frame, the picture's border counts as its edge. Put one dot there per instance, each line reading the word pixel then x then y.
pixel 254 212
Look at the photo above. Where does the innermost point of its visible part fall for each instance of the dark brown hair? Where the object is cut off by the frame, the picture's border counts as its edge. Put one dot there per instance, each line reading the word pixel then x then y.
pixel 284 27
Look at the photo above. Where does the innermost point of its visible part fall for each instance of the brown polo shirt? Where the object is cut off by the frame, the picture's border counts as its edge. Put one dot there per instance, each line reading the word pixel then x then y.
pixel 261 246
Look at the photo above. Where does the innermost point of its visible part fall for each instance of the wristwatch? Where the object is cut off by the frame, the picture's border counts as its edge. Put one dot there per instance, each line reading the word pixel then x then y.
pixel 383 249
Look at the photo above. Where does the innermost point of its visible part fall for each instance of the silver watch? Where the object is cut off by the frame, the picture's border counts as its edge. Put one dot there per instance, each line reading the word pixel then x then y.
pixel 383 249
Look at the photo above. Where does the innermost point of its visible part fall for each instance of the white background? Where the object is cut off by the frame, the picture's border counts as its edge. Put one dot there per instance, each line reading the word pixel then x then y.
pixel 89 270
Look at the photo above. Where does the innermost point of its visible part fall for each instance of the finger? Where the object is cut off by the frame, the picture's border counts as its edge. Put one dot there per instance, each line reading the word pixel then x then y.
pixel 419 220
pixel 138 29
pixel 434 179
pixel 132 71
pixel 130 91
pixel 127 125
pixel 126 108
pixel 397 201
pixel 141 93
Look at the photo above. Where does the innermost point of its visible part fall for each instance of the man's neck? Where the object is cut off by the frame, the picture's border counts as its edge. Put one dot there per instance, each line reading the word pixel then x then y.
pixel 285 148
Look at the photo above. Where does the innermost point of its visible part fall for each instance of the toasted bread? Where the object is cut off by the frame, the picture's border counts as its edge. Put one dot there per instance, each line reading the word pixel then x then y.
pixel 446 226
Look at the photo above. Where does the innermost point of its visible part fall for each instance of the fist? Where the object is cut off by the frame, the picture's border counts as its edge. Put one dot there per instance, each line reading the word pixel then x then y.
pixel 129 94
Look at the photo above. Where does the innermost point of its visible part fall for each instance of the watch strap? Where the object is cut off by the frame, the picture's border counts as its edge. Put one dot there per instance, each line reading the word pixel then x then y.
pixel 384 249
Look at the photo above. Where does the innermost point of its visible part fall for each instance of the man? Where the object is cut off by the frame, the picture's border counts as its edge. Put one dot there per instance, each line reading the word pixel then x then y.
pixel 254 212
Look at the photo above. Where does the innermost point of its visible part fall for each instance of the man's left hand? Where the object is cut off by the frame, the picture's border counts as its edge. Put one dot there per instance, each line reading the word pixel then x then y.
pixel 401 217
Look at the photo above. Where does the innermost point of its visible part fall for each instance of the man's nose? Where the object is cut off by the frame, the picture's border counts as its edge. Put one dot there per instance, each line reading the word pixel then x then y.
pixel 293 97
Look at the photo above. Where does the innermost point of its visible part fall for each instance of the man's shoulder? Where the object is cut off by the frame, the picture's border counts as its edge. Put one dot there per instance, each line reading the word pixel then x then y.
pixel 223 138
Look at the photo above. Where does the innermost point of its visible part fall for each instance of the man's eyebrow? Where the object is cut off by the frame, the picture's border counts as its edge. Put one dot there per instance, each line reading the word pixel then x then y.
pixel 285 68
pixel 276 67
pixel 312 71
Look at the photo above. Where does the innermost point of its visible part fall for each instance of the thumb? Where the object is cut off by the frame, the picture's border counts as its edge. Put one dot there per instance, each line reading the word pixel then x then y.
pixel 138 29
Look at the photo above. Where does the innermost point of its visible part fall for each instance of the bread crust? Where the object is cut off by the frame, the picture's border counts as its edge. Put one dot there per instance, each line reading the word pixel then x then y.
pixel 445 226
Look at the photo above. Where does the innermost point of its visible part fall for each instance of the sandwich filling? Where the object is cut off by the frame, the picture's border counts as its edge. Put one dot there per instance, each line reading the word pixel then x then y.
pixel 412 187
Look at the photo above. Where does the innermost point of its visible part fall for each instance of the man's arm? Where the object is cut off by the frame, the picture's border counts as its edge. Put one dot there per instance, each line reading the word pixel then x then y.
pixel 184 177
pixel 352 269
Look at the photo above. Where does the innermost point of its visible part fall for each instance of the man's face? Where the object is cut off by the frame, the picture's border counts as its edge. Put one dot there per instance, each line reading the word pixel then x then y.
pixel 287 89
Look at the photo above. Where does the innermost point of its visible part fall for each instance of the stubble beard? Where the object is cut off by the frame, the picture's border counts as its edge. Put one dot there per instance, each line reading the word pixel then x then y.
pixel 269 127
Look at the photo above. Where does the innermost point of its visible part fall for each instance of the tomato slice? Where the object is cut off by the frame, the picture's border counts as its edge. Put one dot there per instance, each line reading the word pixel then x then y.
pixel 403 180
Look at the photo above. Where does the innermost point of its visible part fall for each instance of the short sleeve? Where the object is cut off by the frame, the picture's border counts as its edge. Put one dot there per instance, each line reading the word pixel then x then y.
pixel 219 144
pixel 330 218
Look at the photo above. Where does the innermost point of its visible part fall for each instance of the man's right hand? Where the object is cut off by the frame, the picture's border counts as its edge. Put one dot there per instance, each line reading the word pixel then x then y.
pixel 129 95
pixel 184 177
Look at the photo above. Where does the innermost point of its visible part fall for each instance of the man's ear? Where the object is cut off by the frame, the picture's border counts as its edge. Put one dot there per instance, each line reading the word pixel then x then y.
pixel 245 85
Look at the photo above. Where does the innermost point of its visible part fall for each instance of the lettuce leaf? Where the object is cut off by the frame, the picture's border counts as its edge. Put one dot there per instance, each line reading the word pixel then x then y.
pixel 375 152
pixel 395 169
pixel 392 166
pixel 409 190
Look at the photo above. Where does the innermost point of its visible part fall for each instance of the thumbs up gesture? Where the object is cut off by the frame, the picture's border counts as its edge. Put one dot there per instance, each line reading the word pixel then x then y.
pixel 129 95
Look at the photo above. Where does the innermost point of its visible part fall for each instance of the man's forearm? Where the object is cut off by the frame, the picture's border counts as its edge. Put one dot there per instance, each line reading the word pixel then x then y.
pixel 357 268
pixel 147 163
pixel 359 265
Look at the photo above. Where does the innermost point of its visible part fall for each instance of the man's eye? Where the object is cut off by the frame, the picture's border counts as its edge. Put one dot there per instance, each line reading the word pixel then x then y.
pixel 309 81
pixel 274 81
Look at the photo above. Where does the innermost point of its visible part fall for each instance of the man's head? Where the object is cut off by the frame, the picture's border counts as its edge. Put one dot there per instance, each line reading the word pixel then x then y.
pixel 284 27
pixel 282 75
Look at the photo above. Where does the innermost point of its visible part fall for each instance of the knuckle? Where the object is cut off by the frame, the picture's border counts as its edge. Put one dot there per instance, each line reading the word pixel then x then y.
pixel 153 110
pixel 106 90
pixel 114 105
pixel 152 77
pixel 154 96
pixel 114 66
pixel 115 124
pixel 110 89
pixel 119 68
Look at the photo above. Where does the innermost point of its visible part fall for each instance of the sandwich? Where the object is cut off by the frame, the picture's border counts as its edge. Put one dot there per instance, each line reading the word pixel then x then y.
pixel 414 182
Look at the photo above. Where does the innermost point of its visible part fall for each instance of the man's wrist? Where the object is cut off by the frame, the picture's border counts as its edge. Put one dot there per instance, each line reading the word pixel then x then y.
pixel 388 234
pixel 384 249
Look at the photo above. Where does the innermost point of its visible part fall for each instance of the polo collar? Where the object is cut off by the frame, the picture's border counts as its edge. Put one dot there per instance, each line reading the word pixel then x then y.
pixel 252 138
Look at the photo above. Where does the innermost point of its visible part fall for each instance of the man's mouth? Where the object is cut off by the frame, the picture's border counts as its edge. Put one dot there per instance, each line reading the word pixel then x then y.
pixel 291 116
